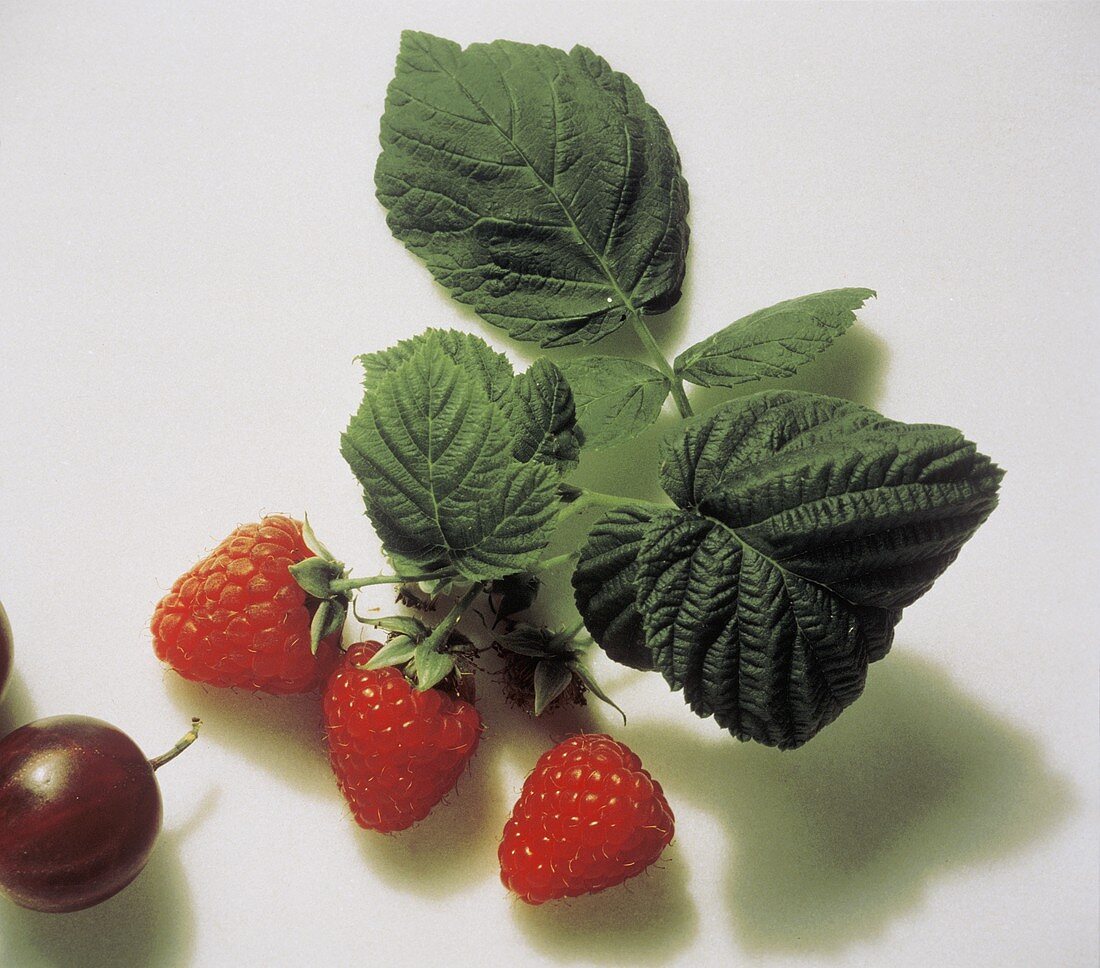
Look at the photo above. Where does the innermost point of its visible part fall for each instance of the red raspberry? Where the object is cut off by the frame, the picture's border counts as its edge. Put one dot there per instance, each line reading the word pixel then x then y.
pixel 396 752
pixel 238 618
pixel 588 818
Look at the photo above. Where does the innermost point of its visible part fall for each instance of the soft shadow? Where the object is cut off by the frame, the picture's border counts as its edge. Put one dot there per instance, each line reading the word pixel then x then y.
pixel 18 708
pixel 832 842
pixel 642 922
pixel 150 924
pixel 283 734
pixel 853 368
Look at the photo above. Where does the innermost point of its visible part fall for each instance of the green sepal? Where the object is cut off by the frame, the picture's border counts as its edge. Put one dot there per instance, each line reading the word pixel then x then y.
pixel 581 672
pixel 328 618
pixel 517 593
pixel 552 678
pixel 313 542
pixel 535 642
pixel 432 667
pixel 399 650
pixel 316 575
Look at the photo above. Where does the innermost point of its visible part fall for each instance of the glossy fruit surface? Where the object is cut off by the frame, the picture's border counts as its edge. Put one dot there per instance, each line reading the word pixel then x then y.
pixel 6 652
pixel 396 751
pixel 588 818
pixel 80 810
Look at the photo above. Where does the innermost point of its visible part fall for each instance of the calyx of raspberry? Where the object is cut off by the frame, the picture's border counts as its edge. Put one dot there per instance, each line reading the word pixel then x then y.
pixel 552 662
pixel 317 577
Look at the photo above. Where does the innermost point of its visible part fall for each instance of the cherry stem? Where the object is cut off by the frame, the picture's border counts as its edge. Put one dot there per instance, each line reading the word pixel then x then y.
pixel 193 734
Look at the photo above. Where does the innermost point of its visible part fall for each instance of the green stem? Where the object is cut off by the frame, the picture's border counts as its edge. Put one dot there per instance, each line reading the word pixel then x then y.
pixel 601 499
pixel 547 563
pixel 573 631
pixel 646 336
pixel 347 584
pixel 451 619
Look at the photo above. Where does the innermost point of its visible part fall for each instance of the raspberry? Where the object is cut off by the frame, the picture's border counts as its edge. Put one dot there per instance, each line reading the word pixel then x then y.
pixel 396 752
pixel 238 618
pixel 588 818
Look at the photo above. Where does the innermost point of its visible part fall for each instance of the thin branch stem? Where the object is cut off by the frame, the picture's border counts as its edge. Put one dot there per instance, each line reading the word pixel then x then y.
pixel 451 619
pixel 646 336
pixel 347 584
pixel 547 563
pixel 573 631
pixel 599 498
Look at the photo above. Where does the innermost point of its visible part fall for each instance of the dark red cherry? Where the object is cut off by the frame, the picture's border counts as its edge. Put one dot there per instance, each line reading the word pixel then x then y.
pixel 79 811
pixel 5 650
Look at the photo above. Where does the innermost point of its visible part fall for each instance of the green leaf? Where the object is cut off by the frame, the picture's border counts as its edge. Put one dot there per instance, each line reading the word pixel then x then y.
pixel 604 585
pixel 537 186
pixel 327 620
pixel 470 352
pixel 432 445
pixel 552 678
pixel 616 399
pixel 432 667
pixel 544 416
pixel 772 343
pixel 804 526
pixel 397 651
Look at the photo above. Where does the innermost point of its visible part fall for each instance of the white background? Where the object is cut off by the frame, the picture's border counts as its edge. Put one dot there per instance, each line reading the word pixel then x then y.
pixel 190 258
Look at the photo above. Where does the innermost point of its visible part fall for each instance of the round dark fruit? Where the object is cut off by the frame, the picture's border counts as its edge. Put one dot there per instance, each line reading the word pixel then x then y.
pixel 80 810
pixel 5 650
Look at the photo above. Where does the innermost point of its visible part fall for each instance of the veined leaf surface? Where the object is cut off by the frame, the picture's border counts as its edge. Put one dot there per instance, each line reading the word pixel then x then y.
pixel 433 446
pixel 616 399
pixel 537 186
pixel 803 526
pixel 772 343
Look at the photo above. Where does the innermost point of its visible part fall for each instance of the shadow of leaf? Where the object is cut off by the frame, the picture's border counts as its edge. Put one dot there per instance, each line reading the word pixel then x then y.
pixel 833 841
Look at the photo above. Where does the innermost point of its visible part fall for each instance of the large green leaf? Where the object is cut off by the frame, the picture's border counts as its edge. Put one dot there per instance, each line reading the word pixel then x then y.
pixel 545 418
pixel 604 585
pixel 804 525
pixel 433 446
pixel 537 186
pixel 773 342
pixel 470 352
pixel 616 399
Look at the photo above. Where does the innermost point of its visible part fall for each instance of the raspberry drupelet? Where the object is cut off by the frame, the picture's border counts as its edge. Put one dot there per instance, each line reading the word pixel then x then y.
pixel 238 617
pixel 396 751
pixel 589 817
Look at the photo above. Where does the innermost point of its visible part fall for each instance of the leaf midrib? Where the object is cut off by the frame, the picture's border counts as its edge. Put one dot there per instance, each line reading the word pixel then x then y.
pixel 599 260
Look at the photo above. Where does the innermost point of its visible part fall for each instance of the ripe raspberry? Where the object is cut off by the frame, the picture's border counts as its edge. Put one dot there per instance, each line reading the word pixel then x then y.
pixel 396 752
pixel 588 818
pixel 238 618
